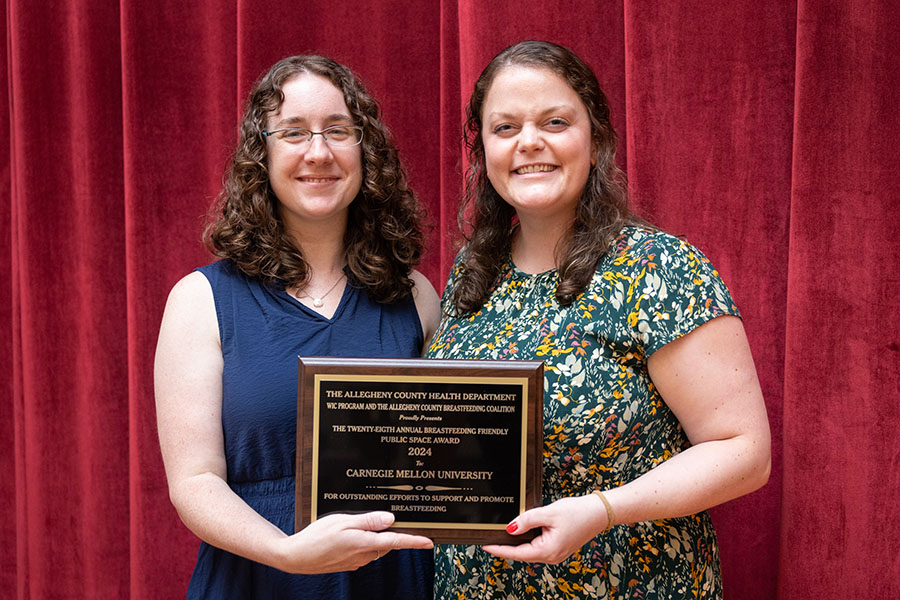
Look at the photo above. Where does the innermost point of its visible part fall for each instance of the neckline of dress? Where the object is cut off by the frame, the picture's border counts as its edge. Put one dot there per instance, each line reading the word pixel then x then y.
pixel 282 290
pixel 520 274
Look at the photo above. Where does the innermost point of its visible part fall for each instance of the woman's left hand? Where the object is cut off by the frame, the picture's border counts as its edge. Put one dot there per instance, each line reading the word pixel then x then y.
pixel 568 524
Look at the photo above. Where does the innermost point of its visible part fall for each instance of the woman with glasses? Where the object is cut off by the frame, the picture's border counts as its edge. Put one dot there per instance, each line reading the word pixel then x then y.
pixel 652 408
pixel 317 234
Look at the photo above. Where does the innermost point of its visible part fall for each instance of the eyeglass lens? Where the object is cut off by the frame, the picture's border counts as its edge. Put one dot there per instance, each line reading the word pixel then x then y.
pixel 333 136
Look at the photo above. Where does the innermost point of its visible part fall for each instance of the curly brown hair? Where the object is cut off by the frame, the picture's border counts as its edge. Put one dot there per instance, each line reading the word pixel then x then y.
pixel 487 220
pixel 384 238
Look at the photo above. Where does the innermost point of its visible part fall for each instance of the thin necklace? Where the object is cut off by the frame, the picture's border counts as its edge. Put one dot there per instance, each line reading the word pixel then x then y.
pixel 320 301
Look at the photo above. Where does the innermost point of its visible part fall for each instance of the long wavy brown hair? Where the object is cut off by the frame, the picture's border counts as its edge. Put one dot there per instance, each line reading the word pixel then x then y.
pixel 486 220
pixel 384 236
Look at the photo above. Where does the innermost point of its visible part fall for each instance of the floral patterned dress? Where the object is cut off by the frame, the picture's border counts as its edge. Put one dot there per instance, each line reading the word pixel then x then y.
pixel 605 424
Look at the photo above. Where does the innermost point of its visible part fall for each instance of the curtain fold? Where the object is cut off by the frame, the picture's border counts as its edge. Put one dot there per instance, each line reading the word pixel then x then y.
pixel 71 379
pixel 764 133
pixel 7 338
pixel 444 240
pixel 842 364
pixel 178 90
pixel 709 109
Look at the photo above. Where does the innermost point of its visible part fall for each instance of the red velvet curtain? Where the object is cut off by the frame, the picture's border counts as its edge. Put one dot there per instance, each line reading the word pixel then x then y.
pixel 765 132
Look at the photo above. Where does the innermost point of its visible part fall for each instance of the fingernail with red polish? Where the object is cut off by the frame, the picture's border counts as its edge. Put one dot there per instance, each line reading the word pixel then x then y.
pixel 511 528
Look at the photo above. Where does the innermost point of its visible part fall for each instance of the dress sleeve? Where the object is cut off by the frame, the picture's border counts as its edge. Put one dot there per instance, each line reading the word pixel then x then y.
pixel 674 290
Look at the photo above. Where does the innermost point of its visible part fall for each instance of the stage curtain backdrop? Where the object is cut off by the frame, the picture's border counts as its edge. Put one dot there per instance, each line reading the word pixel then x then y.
pixel 766 133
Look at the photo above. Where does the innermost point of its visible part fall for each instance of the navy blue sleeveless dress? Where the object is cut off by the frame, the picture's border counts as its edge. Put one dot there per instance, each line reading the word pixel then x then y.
pixel 263 330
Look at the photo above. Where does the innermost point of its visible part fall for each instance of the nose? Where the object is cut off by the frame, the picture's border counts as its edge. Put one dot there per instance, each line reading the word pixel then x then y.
pixel 530 138
pixel 317 150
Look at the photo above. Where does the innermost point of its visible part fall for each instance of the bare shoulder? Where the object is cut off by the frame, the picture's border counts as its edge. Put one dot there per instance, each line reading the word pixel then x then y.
pixel 191 305
pixel 427 302
pixel 190 290
pixel 189 323
pixel 422 284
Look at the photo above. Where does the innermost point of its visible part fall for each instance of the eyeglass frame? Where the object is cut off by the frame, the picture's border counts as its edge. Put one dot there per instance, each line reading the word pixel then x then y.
pixel 311 134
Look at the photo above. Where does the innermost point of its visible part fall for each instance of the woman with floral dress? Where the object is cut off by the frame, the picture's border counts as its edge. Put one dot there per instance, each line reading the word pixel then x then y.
pixel 652 411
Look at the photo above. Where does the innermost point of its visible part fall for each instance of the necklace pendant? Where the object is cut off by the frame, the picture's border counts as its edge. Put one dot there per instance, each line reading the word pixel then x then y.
pixel 318 302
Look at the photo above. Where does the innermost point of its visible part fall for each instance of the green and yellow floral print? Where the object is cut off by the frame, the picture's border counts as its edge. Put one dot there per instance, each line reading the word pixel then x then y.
pixel 604 422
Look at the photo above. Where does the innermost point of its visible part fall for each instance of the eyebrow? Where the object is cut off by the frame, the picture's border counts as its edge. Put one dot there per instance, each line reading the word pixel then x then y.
pixel 549 110
pixel 297 121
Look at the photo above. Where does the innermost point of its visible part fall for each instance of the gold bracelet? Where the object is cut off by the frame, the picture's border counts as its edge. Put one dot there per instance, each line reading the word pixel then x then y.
pixel 610 515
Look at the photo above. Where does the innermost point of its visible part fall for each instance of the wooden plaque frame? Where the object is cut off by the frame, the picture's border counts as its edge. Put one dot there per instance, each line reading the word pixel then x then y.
pixel 452 447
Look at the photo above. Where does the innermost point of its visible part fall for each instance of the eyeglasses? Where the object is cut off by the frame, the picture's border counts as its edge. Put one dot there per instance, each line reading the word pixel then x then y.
pixel 336 136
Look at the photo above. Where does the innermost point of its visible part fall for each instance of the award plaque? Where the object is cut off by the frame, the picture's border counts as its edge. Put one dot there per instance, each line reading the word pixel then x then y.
pixel 452 448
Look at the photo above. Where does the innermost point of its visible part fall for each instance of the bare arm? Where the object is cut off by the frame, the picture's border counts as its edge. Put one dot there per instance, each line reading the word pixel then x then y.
pixel 708 380
pixel 188 382
pixel 428 306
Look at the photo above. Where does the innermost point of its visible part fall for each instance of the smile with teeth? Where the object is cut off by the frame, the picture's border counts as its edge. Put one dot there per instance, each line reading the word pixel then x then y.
pixel 317 179
pixel 535 169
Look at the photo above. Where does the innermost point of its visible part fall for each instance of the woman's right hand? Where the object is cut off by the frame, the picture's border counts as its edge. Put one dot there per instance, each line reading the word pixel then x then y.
pixel 342 542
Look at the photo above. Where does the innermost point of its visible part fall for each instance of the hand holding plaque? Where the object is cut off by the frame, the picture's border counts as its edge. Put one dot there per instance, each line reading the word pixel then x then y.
pixel 451 448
